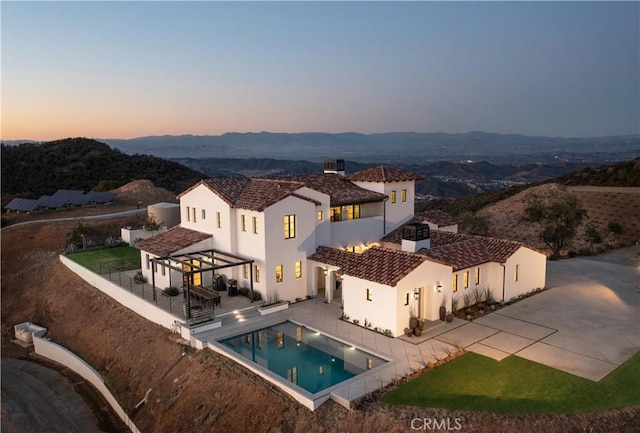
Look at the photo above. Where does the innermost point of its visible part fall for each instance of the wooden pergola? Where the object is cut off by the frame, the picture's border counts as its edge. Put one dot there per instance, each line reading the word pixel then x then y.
pixel 207 261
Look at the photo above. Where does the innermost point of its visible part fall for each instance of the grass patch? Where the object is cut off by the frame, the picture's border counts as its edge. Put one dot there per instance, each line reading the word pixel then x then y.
pixel 515 385
pixel 128 256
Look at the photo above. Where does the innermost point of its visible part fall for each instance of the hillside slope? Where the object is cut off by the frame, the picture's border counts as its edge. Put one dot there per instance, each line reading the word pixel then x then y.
pixel 81 163
pixel 604 205
pixel 198 391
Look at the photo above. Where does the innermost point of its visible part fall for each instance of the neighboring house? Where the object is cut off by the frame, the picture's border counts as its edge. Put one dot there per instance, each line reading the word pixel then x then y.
pixel 352 238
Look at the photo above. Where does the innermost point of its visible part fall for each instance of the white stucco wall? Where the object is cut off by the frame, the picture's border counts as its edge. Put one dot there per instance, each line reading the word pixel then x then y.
pixel 200 198
pixel 532 272
pixel 287 252
pixel 356 232
pixel 387 309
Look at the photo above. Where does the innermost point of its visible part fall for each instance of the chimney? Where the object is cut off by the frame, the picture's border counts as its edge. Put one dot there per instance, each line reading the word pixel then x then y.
pixel 415 237
pixel 334 166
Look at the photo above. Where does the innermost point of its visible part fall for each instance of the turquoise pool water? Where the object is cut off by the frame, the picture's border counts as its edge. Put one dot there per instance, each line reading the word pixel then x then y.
pixel 307 358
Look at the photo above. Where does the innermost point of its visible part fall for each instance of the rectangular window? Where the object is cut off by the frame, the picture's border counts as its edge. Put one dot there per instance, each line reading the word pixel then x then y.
pixel 279 276
pixel 406 299
pixel 466 279
pixel 455 282
pixel 188 213
pixel 243 218
pixel 336 214
pixel 245 271
pixel 219 220
pixel 292 374
pixel 393 196
pixel 256 273
pixel 353 211
pixel 289 226
pixel 280 338
pixel 477 276
pixel 299 269
pixel 194 214
pixel 148 260
pixel 404 195
pixel 516 272
pixel 369 295
pixel 204 214
pixel 320 215
pixel 255 225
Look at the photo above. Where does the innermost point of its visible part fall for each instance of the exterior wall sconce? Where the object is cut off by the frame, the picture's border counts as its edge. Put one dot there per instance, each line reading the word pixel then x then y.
pixel 438 287
pixel 326 271
pixel 416 294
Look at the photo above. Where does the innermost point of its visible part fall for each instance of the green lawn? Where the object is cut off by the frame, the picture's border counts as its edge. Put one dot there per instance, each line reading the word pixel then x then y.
pixel 515 385
pixel 129 257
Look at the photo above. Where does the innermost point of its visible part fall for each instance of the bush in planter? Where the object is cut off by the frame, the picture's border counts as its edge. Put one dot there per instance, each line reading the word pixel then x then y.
pixel 171 291
pixel 139 278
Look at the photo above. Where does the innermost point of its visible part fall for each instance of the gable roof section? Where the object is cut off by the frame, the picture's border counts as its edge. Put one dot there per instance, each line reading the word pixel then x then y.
pixel 380 265
pixel 384 174
pixel 462 250
pixel 437 217
pixel 174 239
pixel 340 190
pixel 255 194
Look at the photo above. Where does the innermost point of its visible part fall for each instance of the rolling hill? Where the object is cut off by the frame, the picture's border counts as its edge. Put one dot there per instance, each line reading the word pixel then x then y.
pixel 31 170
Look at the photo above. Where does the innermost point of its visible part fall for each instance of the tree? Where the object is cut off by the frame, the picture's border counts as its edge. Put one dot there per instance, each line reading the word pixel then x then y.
pixel 475 223
pixel 558 214
pixel 592 235
pixel 150 224
pixel 616 231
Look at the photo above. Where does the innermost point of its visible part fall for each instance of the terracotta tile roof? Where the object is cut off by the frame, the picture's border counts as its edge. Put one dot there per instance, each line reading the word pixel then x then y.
pixel 437 217
pixel 340 190
pixel 174 239
pixel 381 265
pixel 462 250
pixel 255 194
pixel 384 174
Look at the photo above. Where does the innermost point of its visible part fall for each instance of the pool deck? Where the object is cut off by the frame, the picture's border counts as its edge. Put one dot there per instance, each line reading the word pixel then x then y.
pixel 405 357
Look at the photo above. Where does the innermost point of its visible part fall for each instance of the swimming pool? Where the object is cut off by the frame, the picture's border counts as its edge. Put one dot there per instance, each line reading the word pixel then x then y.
pixel 304 357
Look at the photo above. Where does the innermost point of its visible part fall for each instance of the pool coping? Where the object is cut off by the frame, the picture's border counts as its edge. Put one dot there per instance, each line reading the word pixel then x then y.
pixel 309 400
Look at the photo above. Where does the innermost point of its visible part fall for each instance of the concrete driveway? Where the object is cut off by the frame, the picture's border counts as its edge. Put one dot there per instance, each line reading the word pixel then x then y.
pixel 587 323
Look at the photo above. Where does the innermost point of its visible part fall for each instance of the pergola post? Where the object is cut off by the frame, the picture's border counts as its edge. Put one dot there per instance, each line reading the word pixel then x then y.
pixel 251 281
pixel 153 280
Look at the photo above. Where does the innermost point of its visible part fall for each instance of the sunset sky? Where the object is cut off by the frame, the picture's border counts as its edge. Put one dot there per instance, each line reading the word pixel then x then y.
pixel 125 69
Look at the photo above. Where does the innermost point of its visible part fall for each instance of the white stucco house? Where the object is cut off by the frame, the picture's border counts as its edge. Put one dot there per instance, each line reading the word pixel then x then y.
pixel 353 239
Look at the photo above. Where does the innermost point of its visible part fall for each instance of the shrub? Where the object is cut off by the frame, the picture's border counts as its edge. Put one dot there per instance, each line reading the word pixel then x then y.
pixel 171 291
pixel 455 303
pixel 112 241
pixel 139 278
pixel 344 316
pixel 467 299
pixel 71 248
pixel 388 333
pixel 257 296
pixel 356 321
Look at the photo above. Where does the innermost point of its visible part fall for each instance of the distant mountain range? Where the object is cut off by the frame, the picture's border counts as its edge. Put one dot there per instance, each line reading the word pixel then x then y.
pixel 391 148
pixel 395 147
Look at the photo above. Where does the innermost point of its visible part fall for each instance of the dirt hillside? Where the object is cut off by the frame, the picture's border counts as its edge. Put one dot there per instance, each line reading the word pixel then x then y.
pixel 603 205
pixel 198 391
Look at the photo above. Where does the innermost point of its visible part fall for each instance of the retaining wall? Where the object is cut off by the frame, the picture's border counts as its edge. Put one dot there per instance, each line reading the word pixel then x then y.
pixel 62 355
